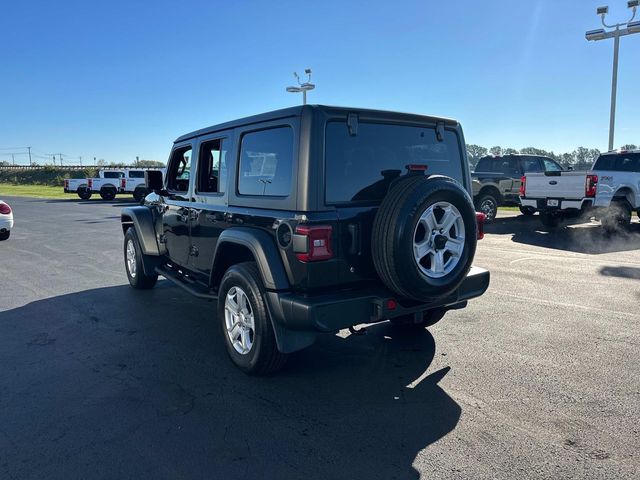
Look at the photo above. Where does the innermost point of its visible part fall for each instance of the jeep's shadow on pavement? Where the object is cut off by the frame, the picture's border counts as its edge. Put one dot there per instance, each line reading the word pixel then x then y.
pixel 578 235
pixel 117 383
pixel 116 202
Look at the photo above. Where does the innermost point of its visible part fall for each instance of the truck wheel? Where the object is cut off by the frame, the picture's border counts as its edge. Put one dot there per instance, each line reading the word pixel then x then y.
pixel 133 262
pixel 139 194
pixel 84 193
pixel 245 323
pixel 549 220
pixel 488 204
pixel 617 216
pixel 528 211
pixel 5 235
pixel 108 193
pixel 429 318
pixel 424 237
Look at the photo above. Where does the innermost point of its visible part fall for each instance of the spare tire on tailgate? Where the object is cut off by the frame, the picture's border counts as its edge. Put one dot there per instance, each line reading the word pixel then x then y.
pixel 424 237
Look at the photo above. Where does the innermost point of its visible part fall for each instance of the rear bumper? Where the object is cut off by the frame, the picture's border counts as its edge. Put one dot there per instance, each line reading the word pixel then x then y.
pixel 6 224
pixel 335 311
pixel 563 204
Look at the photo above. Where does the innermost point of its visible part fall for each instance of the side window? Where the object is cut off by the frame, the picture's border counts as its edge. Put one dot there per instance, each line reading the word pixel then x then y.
pixel 551 166
pixel 531 164
pixel 113 174
pixel 212 167
pixel 179 170
pixel 136 174
pixel 266 161
pixel 514 168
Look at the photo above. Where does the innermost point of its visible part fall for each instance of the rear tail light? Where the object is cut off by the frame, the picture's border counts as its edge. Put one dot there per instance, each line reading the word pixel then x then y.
pixel 123 183
pixel 523 186
pixel 480 218
pixel 66 184
pixel 5 209
pixel 313 243
pixel 591 186
pixel 90 183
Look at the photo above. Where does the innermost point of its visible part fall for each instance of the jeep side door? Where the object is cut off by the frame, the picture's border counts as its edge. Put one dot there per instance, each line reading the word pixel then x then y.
pixel 209 199
pixel 176 205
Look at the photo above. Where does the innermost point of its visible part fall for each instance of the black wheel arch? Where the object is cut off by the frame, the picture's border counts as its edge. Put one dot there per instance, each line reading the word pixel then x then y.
pixel 490 190
pixel 241 244
pixel 144 221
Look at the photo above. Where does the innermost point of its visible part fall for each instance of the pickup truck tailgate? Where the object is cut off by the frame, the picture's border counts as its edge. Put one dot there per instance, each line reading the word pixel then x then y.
pixel 570 185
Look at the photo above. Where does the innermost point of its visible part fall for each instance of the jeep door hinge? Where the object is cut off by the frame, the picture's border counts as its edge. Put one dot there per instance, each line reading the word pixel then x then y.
pixel 440 131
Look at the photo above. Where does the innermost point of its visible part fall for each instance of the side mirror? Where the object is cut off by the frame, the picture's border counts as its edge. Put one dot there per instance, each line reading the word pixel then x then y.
pixel 154 180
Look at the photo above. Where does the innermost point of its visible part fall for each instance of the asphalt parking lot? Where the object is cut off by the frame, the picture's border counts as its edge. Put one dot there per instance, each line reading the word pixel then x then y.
pixel 536 379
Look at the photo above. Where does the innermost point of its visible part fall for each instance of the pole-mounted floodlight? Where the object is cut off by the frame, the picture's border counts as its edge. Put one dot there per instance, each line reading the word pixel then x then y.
pixel 302 87
pixel 618 30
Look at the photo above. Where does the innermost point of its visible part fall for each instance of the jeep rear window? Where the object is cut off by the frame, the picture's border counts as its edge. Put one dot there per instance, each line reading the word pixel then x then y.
pixel 266 162
pixel 359 168
pixel 621 162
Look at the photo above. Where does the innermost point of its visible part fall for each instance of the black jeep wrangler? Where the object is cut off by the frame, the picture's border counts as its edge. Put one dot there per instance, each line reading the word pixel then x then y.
pixel 309 220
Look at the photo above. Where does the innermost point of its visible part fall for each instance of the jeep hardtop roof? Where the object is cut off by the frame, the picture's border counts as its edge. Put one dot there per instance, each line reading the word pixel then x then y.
pixel 298 110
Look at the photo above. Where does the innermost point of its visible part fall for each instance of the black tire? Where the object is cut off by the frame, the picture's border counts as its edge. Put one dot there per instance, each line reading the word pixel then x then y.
pixel 84 193
pixel 5 235
pixel 108 193
pixel 528 211
pixel 139 194
pixel 396 226
pixel 137 278
pixel 617 216
pixel 428 319
pixel 263 356
pixel 487 203
pixel 549 220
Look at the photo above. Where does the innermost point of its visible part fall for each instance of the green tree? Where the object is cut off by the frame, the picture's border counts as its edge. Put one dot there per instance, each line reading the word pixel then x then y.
pixel 475 153
pixel 629 146
pixel 496 151
pixel 155 163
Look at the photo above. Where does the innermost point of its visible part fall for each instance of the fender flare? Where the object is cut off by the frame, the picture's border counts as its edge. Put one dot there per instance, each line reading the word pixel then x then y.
pixel 143 220
pixel 265 253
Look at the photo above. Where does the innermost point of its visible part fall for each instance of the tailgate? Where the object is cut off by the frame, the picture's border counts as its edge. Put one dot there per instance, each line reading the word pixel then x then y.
pixel 570 185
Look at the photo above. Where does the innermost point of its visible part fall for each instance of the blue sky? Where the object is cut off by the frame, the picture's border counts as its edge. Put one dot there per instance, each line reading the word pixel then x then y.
pixel 119 79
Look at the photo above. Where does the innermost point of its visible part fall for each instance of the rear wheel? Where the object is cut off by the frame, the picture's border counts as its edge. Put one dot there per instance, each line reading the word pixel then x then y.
pixel 426 319
pixel 528 211
pixel 5 235
pixel 134 264
pixel 245 323
pixel 617 216
pixel 488 204
pixel 84 193
pixel 108 193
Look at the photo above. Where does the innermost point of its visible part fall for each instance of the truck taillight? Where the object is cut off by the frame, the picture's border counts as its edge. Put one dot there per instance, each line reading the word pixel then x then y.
pixel 66 184
pixel 591 186
pixel 523 186
pixel 90 183
pixel 480 218
pixel 313 243
pixel 5 209
pixel 123 183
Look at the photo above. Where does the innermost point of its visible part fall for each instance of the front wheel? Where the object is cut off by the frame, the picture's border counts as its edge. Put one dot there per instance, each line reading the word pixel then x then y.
pixel 108 193
pixel 133 262
pixel 245 323
pixel 488 204
pixel 528 211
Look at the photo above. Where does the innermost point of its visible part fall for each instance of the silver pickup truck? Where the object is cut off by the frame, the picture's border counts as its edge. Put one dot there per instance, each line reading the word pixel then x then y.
pixel 610 191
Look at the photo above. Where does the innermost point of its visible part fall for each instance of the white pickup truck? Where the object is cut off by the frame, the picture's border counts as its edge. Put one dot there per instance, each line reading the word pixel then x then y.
pixel 77 185
pixel 107 183
pixel 134 182
pixel 610 191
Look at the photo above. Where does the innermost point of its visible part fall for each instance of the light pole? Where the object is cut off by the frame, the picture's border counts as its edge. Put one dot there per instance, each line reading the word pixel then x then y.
pixel 302 87
pixel 616 33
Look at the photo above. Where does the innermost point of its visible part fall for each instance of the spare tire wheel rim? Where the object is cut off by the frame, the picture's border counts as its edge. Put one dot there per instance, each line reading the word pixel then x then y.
pixel 438 240
pixel 239 320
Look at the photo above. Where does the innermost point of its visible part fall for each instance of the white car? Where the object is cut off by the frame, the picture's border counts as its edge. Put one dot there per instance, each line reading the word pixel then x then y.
pixel 6 220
